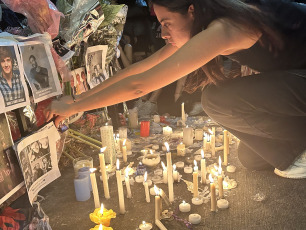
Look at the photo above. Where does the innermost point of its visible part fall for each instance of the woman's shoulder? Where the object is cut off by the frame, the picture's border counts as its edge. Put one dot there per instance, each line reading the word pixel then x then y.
pixel 238 35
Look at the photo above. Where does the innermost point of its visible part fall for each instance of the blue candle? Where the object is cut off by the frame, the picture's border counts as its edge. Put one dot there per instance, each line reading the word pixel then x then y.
pixel 81 187
pixel 85 172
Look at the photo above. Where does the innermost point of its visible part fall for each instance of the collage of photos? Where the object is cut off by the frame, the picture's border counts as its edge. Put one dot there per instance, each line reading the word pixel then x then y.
pixel 35 160
pixel 95 65
pixel 40 70
pixel 13 89
pixel 11 179
pixel 38 159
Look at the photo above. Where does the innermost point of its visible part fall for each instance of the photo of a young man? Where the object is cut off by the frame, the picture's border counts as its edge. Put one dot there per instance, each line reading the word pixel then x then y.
pixel 11 86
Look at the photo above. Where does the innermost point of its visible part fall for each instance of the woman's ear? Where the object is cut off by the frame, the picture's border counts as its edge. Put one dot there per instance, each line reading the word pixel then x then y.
pixel 191 10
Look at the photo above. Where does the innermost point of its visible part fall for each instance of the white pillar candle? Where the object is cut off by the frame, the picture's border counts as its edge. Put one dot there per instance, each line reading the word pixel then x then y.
pixel 195 180
pixel 175 173
pixel 226 146
pixel 220 179
pixel 203 168
pixel 127 183
pixel 108 141
pixel 146 186
pixel 213 204
pixel 158 203
pixel 194 218
pixel 198 134
pixel 170 176
pixel 213 145
pixel 160 225
pixel 165 173
pixel 94 187
pixel 188 136
pixel 183 112
pixel 184 207
pixel 120 189
pixel 133 118
pixel 181 150
pixel 124 155
pixel 104 174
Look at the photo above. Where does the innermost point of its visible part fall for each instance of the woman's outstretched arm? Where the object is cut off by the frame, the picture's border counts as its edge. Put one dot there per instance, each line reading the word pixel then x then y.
pixel 215 40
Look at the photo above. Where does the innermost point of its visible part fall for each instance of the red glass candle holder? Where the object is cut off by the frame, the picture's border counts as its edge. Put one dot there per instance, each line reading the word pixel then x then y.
pixel 144 128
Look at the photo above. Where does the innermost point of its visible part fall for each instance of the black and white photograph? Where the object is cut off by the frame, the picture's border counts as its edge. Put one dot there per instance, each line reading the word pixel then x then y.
pixel 78 81
pixel 38 159
pixel 95 65
pixel 13 89
pixel 11 179
pixel 40 70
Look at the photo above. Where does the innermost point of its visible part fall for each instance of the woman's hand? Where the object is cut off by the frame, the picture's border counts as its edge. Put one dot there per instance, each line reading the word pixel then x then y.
pixel 60 109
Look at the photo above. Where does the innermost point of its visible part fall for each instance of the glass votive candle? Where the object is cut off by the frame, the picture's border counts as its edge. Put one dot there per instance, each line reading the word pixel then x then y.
pixel 81 162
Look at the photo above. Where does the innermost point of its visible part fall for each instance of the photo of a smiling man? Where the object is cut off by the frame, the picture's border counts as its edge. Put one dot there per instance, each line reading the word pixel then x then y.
pixel 12 87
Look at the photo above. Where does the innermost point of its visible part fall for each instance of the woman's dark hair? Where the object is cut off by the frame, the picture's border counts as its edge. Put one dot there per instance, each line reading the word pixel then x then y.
pixel 240 13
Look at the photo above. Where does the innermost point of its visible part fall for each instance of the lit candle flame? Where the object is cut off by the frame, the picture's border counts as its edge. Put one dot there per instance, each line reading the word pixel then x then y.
pixel 167 146
pixel 100 227
pixel 124 142
pixel 156 190
pixel 106 124
pixel 117 136
pixel 127 170
pixel 102 149
pixel 202 153
pixel 118 164
pixel 220 168
pixel 163 165
pixel 225 185
pixel 195 166
pixel 102 209
pixel 210 178
pixel 145 176
pixel 205 135
pixel 92 170
pixel 208 138
pixel 151 151
pixel 144 223
pixel 184 202
pixel 174 167
pixel 210 131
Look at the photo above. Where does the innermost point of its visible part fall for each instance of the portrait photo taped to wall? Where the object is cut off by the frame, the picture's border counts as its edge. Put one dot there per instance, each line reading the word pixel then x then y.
pixel 11 179
pixel 13 89
pixel 40 70
pixel 95 65
pixel 38 160
pixel 78 81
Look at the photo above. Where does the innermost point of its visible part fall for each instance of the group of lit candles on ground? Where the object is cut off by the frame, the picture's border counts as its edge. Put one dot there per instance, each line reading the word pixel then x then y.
pixel 103 216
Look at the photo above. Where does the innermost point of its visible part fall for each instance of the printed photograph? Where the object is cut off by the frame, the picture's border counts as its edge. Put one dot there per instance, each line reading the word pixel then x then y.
pixel 95 65
pixel 78 81
pixel 40 70
pixel 12 85
pixel 11 178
